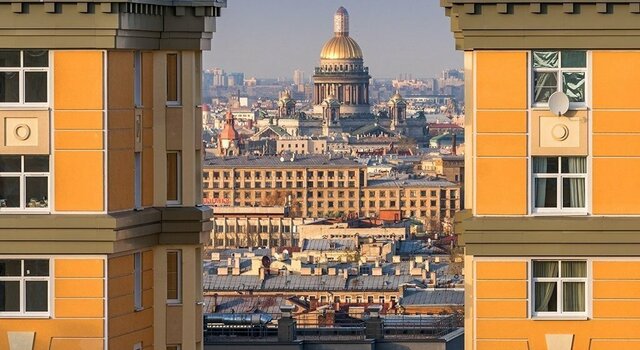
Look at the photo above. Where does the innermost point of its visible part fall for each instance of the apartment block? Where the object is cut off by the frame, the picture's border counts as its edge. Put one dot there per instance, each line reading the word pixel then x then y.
pixel 319 186
pixel 100 216
pixel 552 173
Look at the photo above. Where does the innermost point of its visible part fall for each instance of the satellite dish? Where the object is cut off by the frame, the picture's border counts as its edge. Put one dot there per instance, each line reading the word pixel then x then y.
pixel 558 103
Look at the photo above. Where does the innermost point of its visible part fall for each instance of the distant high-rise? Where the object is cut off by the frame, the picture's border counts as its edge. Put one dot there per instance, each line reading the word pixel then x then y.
pixel 298 77
pixel 219 77
pixel 235 79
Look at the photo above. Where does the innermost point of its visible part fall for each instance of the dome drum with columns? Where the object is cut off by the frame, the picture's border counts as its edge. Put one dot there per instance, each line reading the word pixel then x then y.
pixel 342 72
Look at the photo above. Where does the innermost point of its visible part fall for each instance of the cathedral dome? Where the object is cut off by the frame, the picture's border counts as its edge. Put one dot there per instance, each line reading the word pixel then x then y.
pixel 341 48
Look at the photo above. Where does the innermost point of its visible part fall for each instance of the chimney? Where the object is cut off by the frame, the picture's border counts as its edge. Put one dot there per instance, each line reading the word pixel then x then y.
pixel 345 273
pixel 261 274
pixel 453 143
pixel 434 279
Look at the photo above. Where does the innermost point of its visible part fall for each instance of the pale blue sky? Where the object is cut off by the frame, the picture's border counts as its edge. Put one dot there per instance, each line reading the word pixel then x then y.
pixel 271 38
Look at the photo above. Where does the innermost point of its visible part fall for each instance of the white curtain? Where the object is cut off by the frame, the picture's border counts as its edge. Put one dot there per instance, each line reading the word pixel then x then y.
pixel 576 192
pixel 540 166
pixel 544 291
pixel 573 293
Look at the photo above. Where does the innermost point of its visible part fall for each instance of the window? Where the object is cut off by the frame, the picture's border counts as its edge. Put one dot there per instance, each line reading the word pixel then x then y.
pixel 24 77
pixel 137 281
pixel 137 179
pixel 173 347
pixel 24 183
pixel 559 184
pixel 137 78
pixel 559 71
pixel 559 288
pixel 174 276
pixel 173 178
pixel 24 287
pixel 173 79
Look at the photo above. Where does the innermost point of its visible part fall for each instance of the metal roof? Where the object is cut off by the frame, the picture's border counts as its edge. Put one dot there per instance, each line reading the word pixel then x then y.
pixel 382 183
pixel 416 297
pixel 297 161
pixel 329 244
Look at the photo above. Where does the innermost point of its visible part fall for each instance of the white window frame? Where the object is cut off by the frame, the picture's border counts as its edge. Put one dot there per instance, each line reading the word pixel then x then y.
pixel 21 71
pixel 559 176
pixel 23 301
pixel 559 70
pixel 178 201
pixel 137 281
pixel 23 185
pixel 559 281
pixel 178 101
pixel 178 300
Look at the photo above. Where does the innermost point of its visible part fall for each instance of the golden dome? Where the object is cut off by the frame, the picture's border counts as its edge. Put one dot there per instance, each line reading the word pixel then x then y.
pixel 341 48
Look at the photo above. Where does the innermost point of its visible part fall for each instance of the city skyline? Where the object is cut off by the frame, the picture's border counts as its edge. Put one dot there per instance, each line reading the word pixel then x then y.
pixel 294 37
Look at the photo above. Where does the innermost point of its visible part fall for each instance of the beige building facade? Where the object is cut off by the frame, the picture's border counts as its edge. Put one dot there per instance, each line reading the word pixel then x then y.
pixel 321 186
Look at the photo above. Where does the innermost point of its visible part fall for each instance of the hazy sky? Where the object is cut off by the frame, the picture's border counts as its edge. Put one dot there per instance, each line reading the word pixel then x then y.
pixel 271 38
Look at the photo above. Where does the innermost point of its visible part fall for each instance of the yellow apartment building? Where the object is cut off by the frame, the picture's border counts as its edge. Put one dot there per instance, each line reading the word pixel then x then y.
pixel 100 174
pixel 551 230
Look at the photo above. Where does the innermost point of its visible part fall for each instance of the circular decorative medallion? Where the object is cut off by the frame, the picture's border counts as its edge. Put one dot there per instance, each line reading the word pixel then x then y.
pixel 560 132
pixel 22 132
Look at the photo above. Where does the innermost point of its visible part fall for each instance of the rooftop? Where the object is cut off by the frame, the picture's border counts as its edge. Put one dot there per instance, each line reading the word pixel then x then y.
pixel 423 182
pixel 316 161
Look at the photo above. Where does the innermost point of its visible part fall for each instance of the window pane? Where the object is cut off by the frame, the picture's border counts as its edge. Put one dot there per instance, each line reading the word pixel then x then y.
pixel 172 275
pixel 9 296
pixel 10 164
pixel 573 298
pixel 37 192
pixel 574 269
pixel 546 192
pixel 573 85
pixel 573 195
pixel 172 176
pixel 35 86
pixel 37 296
pixel 9 267
pixel 9 58
pixel 545 165
pixel 36 267
pixel 172 77
pixel 545 84
pixel 545 269
pixel 9 87
pixel 9 192
pixel 545 59
pixel 36 164
pixel 574 165
pixel 574 59
pixel 36 58
pixel 546 296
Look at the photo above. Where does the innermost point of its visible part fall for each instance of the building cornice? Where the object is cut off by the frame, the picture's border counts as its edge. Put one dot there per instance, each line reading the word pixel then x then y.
pixel 549 236
pixel 544 24
pixel 144 25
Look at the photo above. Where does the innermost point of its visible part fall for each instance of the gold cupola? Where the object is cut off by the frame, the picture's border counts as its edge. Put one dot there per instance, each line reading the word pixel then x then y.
pixel 341 46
